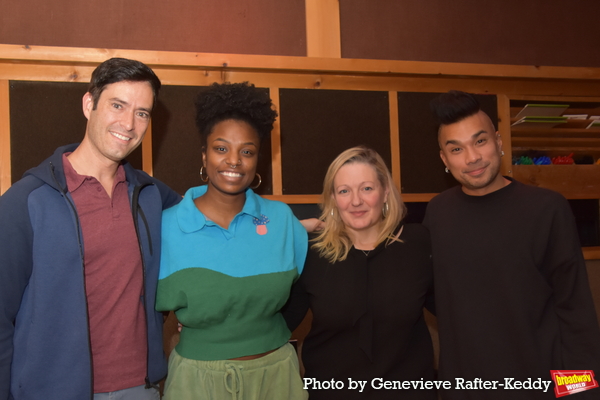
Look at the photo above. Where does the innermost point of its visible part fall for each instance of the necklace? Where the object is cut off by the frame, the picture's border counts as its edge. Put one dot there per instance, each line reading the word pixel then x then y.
pixel 366 253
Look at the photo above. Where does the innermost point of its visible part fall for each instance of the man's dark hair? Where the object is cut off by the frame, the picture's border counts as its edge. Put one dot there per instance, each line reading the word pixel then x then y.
pixel 454 106
pixel 234 101
pixel 119 70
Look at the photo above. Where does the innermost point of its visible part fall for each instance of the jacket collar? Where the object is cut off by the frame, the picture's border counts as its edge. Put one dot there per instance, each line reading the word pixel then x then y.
pixel 51 170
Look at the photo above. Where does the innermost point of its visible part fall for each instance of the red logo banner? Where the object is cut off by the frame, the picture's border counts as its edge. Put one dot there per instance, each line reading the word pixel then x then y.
pixel 572 381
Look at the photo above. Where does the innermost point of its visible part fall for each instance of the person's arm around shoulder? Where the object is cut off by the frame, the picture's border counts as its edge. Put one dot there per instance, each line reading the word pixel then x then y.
pixel 312 224
pixel 169 196
pixel 16 255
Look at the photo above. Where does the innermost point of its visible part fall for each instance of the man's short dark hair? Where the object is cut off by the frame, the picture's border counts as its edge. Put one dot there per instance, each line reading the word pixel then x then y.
pixel 119 70
pixel 454 106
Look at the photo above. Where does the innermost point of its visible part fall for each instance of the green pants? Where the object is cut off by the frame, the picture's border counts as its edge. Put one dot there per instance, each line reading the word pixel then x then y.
pixel 275 376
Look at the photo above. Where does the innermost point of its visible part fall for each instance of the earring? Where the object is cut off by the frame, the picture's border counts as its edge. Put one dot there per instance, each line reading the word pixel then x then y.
pixel 332 213
pixel 201 175
pixel 502 153
pixel 385 210
pixel 259 182
pixel 446 169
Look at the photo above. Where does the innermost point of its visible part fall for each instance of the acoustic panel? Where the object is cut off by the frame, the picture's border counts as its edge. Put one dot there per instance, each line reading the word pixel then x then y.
pixel 44 116
pixel 317 125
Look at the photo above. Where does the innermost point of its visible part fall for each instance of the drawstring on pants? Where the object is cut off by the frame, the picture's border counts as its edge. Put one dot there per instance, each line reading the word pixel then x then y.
pixel 234 381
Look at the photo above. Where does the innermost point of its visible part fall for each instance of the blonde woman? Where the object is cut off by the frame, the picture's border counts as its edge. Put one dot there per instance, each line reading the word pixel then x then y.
pixel 366 280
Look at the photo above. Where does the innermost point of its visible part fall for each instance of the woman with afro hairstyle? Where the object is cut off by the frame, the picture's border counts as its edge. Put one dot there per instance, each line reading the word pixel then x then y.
pixel 229 258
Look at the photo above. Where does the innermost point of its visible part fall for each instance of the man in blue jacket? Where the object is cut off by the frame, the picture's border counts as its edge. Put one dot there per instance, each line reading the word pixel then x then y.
pixel 80 251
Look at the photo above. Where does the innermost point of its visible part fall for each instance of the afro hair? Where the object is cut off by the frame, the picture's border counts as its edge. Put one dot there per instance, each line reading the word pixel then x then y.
pixel 238 101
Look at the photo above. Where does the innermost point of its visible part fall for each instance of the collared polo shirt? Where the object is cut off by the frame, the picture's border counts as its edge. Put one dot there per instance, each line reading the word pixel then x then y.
pixel 227 286
pixel 113 280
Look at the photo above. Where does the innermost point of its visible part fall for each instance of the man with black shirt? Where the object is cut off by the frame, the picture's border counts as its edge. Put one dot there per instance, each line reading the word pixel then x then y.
pixel 512 295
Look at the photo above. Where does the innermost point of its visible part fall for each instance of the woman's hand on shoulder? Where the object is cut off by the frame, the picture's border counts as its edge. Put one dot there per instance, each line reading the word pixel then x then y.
pixel 312 224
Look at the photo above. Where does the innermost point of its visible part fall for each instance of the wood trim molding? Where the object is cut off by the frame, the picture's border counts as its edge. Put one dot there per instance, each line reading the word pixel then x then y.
pixel 591 253
pixel 83 60
pixel 147 161
pixel 504 131
pixel 277 176
pixel 395 139
pixel 296 198
pixel 5 170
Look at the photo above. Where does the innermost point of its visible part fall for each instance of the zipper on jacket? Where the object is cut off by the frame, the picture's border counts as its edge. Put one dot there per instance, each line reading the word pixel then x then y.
pixel 80 242
pixel 135 210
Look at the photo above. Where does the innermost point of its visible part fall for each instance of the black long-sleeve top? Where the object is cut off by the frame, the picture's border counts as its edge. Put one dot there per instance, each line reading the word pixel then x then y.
pixel 512 295
pixel 368 318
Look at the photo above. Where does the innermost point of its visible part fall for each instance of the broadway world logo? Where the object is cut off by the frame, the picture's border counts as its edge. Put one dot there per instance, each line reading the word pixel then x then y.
pixel 569 382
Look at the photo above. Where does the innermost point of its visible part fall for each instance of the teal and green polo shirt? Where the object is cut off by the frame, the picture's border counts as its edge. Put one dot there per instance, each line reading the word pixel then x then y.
pixel 227 286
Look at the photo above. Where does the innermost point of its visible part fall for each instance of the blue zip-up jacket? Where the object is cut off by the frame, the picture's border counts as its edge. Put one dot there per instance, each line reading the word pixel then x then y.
pixel 45 348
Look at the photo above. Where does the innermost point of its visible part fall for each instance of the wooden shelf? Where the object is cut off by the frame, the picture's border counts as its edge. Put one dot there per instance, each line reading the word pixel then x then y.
pixel 519 131
pixel 572 181
pixel 552 151
pixel 570 143
pixel 572 137
pixel 591 253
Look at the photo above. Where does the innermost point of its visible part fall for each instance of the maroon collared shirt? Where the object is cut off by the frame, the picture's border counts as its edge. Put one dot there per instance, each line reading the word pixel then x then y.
pixel 113 280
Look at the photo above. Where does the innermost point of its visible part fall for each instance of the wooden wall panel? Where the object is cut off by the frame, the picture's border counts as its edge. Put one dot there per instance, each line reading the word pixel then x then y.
pixel 534 32
pixel 323 28
pixel 226 26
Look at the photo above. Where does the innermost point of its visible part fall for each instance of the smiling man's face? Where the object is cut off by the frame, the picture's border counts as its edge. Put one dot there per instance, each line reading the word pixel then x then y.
pixel 471 149
pixel 117 125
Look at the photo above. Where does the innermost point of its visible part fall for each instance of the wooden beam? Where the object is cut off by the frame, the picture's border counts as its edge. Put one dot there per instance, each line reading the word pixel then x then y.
pixel 572 181
pixel 504 131
pixel 276 147
pixel 316 198
pixel 512 87
pixel 591 253
pixel 296 198
pixel 203 62
pixel 418 197
pixel 147 160
pixel 323 28
pixel 5 171
pixel 395 139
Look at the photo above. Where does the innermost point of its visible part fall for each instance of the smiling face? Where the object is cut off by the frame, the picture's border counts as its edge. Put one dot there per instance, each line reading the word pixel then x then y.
pixel 471 150
pixel 359 197
pixel 119 122
pixel 231 156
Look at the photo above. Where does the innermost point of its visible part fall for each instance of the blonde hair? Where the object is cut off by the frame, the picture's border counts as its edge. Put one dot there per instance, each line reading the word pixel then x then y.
pixel 333 241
